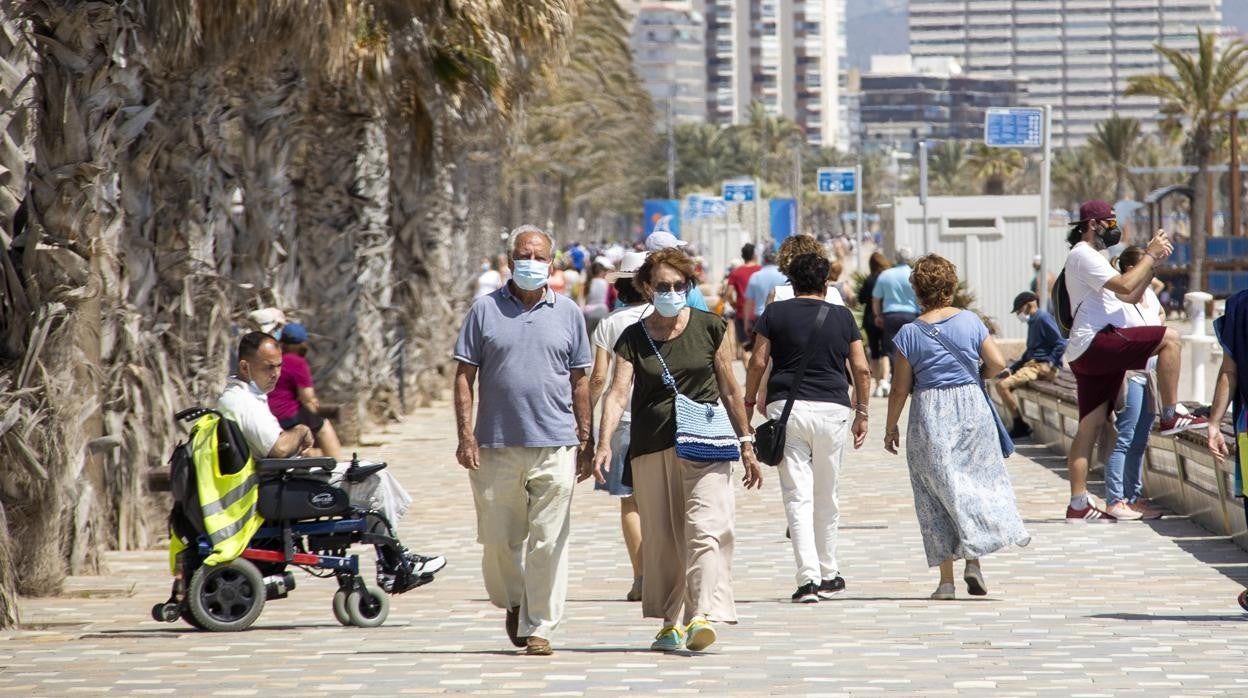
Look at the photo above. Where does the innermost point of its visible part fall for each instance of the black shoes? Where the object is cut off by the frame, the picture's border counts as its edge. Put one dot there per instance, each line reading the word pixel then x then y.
pixel 811 592
pixel 806 593
pixel 1020 429
pixel 831 587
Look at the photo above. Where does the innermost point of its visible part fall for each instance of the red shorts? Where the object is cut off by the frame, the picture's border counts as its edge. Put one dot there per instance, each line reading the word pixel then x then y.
pixel 1114 351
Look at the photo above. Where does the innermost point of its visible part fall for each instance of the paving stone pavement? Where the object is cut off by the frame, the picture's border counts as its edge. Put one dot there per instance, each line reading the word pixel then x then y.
pixel 1131 609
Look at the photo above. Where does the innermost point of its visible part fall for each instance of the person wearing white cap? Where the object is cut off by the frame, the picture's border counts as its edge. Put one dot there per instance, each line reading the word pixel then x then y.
pixel 603 339
pixel 662 240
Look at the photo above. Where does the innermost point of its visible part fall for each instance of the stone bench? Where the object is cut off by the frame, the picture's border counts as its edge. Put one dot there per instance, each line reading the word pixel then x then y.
pixel 1179 472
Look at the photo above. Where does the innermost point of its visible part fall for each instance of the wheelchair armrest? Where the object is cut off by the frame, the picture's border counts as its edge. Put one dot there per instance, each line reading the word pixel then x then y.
pixel 279 465
pixel 357 473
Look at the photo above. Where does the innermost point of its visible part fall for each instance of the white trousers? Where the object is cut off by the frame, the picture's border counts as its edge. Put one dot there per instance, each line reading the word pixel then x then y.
pixel 524 498
pixel 380 491
pixel 814 442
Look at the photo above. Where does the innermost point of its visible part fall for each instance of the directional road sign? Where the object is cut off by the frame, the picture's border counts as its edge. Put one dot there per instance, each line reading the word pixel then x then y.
pixel 739 192
pixel 1014 127
pixel 837 180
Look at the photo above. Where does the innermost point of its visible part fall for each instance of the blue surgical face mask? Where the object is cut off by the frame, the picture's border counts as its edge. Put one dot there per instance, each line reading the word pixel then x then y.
pixel 530 274
pixel 255 388
pixel 669 304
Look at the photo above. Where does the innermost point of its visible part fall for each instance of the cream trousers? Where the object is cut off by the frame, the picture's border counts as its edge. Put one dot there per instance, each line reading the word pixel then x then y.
pixel 523 498
pixel 687 512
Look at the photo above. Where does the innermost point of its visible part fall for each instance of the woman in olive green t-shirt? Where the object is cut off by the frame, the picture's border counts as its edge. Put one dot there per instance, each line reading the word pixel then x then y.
pixel 686 507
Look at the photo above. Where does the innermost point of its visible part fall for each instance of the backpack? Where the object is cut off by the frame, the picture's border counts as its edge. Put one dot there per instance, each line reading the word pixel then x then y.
pixel 1059 300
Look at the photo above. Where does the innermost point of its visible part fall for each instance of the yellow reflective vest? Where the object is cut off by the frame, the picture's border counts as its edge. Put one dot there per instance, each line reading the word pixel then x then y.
pixel 227 500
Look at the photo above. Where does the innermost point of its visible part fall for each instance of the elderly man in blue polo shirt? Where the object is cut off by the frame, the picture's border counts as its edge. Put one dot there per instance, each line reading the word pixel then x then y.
pixel 526 349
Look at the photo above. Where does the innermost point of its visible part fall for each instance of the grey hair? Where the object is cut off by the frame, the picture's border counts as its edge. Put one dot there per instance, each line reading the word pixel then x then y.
pixel 526 229
pixel 904 255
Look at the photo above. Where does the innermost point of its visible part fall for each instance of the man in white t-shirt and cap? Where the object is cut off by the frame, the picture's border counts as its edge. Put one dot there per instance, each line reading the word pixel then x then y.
pixel 1102 348
pixel 662 240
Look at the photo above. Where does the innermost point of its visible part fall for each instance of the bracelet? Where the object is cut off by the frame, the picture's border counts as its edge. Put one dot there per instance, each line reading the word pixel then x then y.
pixel 747 439
pixel 862 413
pixel 1156 258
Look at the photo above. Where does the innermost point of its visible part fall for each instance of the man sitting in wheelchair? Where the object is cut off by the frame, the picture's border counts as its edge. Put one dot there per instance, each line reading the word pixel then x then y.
pixel 245 402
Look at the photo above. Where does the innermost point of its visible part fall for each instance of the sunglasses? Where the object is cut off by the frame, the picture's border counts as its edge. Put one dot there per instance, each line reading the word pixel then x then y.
pixel 664 287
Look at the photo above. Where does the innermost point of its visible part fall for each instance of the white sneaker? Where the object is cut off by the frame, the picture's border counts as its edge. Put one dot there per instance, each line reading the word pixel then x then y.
pixel 1122 512
pixel 885 388
pixel 877 391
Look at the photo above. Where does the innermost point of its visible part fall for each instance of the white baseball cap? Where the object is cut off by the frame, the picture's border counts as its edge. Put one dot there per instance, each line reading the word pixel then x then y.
pixel 661 240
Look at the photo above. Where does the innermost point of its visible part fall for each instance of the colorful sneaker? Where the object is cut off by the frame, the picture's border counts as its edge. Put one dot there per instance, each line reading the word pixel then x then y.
pixel 1145 510
pixel 701 635
pixel 831 587
pixel 1090 514
pixel 669 639
pixel 1123 512
pixel 1181 422
pixel 806 593
pixel 945 592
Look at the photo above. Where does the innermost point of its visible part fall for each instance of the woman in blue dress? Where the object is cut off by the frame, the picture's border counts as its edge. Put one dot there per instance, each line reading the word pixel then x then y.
pixel 962 492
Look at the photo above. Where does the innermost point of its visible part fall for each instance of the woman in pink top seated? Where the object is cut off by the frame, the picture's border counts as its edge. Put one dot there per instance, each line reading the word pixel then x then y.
pixel 294 401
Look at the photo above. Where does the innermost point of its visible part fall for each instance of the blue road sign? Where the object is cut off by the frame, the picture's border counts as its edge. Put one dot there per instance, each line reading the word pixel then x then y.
pixel 1014 127
pixel 739 192
pixel 837 180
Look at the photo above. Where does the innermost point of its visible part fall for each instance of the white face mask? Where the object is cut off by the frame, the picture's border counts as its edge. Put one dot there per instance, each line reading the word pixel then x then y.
pixel 1023 317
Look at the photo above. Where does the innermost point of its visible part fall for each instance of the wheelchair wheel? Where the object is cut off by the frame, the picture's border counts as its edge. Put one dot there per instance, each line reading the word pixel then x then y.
pixel 227 597
pixel 340 607
pixel 189 617
pixel 368 609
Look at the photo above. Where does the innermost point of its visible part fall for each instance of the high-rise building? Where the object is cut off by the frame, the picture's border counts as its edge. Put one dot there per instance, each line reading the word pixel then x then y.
pixel 669 52
pixel 903 101
pixel 785 54
pixel 1075 55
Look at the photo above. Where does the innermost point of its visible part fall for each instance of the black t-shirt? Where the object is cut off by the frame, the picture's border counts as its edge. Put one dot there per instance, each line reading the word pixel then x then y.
pixel 789 326
pixel 691 359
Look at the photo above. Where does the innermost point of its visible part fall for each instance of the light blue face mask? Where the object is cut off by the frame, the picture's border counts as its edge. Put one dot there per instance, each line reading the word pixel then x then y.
pixel 669 304
pixel 254 388
pixel 530 274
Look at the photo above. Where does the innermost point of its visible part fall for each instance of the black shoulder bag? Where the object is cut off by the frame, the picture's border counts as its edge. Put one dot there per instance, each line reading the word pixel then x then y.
pixel 769 436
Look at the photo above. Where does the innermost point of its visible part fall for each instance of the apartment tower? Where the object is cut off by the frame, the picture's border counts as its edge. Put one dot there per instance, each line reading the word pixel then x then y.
pixel 1075 55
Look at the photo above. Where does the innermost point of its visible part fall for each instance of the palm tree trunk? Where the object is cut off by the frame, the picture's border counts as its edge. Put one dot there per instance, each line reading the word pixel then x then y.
pixel 1199 233
pixel 16 156
pixel 346 253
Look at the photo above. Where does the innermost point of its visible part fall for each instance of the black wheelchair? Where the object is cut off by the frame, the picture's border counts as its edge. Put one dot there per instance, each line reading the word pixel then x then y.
pixel 308 524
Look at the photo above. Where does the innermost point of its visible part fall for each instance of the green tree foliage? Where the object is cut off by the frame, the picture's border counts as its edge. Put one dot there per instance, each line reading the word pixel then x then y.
pixel 1203 88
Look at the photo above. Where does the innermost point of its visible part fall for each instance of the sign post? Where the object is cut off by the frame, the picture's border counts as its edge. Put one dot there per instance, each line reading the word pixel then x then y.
pixel 747 191
pixel 844 180
pixel 1027 127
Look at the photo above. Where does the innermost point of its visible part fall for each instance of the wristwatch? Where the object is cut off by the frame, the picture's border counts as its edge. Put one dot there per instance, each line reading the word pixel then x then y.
pixel 747 439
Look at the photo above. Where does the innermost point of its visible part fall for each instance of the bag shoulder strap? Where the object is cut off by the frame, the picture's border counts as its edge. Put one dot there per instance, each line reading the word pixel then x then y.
pixel 668 379
pixel 934 332
pixel 801 368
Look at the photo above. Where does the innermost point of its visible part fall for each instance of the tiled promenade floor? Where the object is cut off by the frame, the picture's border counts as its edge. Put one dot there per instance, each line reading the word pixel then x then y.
pixel 1131 609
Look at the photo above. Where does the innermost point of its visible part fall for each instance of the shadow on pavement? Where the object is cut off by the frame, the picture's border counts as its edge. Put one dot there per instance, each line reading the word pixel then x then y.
pixel 1227 618
pixel 1217 552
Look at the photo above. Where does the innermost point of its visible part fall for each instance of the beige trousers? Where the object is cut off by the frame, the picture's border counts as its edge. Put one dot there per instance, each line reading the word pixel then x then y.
pixel 523 498
pixel 687 513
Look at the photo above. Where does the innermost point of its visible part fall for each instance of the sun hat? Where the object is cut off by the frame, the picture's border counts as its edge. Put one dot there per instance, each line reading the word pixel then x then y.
pixel 629 265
